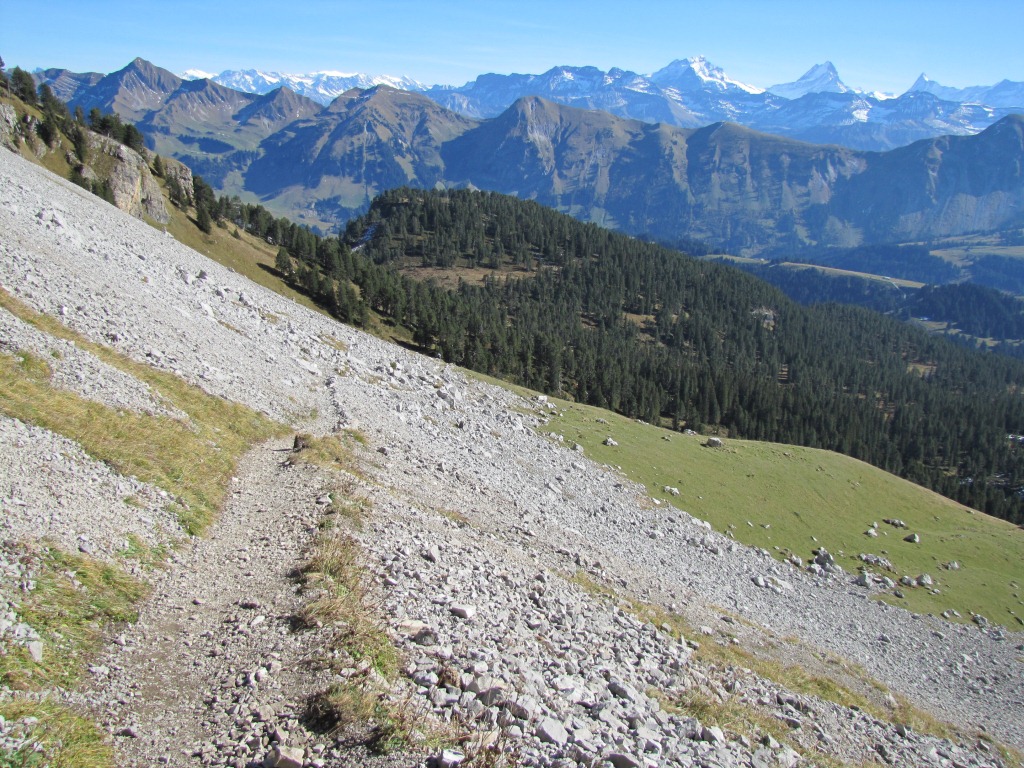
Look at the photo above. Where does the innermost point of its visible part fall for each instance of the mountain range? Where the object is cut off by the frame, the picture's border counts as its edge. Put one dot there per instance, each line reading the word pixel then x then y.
pixel 738 188
pixel 688 93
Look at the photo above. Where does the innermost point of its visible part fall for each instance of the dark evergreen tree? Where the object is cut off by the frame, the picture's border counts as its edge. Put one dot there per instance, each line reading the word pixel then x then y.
pixel 203 219
pixel 23 86
pixel 283 264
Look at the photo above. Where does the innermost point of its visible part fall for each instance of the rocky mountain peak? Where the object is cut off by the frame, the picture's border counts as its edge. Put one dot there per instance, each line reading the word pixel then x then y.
pixel 698 73
pixel 821 78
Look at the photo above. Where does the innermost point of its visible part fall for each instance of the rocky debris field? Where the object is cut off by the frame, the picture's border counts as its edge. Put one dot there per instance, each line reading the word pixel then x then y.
pixel 506 566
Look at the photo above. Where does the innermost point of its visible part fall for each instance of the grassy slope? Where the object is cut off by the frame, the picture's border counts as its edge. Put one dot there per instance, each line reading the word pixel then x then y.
pixel 792 499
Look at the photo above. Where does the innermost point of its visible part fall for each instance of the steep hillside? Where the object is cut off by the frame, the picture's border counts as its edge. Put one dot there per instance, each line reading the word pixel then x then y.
pixel 363 143
pixel 535 601
pixel 614 322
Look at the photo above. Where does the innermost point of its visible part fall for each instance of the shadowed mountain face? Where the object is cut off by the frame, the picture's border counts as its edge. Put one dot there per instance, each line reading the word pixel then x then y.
pixel 363 143
pixel 745 191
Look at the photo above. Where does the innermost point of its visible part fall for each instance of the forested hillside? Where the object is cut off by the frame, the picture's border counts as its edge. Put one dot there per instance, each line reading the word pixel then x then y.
pixel 574 309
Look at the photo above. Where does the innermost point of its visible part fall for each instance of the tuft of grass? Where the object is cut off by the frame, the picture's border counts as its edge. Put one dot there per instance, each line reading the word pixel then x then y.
pixel 56 737
pixel 592 586
pixel 359 703
pixel 192 460
pixel 332 452
pixel 731 715
pixel 455 516
pixel 357 706
pixel 74 599
pixel 32 366
pixel 332 341
pixel 335 571
pixel 140 551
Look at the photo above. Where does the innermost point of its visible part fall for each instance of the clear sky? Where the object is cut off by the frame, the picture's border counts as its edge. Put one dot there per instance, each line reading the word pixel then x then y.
pixel 875 44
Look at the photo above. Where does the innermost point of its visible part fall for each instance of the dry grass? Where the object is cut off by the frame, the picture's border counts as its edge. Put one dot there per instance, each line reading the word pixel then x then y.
pixel 75 599
pixel 332 452
pixel 146 555
pixel 336 574
pixel 360 704
pixel 791 677
pixel 58 738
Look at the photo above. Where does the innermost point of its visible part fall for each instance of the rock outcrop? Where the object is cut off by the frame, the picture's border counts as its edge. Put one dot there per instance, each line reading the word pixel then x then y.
pixel 131 181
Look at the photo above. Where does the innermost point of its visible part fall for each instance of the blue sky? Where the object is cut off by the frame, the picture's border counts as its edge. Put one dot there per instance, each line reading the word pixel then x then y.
pixel 875 44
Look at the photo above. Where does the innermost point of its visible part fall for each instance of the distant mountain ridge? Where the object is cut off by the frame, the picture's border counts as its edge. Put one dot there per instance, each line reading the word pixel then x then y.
pixel 322 87
pixel 689 93
pixel 693 92
pixel 1006 94
pixel 737 188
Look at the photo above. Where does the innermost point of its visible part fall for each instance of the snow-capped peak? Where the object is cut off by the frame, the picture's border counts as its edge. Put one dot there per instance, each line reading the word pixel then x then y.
pixel 698 71
pixel 821 78
pixel 196 74
pixel 323 86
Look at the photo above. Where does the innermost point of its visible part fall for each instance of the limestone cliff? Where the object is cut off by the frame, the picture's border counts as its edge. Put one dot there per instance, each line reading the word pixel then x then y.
pixel 134 189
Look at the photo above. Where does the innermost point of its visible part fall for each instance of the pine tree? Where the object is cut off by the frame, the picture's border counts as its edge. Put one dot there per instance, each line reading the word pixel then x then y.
pixel 81 141
pixel 203 220
pixel 283 264
pixel 24 86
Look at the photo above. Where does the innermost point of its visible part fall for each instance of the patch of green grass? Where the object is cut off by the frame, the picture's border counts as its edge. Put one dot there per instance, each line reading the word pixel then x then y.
pixel 74 599
pixel 58 738
pixel 140 551
pixel 192 460
pixel 789 499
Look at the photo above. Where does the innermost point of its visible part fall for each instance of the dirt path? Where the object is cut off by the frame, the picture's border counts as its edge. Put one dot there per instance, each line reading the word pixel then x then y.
pixel 214 666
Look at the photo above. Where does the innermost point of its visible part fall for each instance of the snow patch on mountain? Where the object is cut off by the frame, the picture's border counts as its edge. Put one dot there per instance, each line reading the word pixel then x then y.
pixel 821 78
pixel 684 74
pixel 323 87
pixel 196 74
